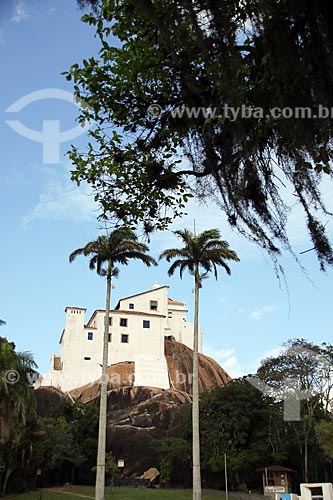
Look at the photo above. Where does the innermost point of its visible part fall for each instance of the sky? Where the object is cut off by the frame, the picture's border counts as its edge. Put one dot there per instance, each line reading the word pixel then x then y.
pixel 245 317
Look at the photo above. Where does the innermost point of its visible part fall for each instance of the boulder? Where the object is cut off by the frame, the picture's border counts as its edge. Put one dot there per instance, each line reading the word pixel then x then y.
pixel 136 417
pixel 150 474
pixel 47 398
pixel 180 360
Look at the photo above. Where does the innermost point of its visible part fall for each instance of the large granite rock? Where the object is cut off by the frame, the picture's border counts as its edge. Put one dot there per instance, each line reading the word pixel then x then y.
pixel 180 360
pixel 139 415
pixel 119 375
pixel 47 398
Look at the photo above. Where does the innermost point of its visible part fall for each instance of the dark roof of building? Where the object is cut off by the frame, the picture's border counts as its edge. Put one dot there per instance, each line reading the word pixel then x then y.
pixel 275 468
pixel 141 293
pixel 121 311
pixel 175 302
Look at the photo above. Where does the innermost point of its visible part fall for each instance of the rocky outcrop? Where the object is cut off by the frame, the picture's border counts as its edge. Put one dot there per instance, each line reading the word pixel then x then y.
pixel 139 415
pixel 180 361
pixel 47 398
pixel 119 375
pixel 136 417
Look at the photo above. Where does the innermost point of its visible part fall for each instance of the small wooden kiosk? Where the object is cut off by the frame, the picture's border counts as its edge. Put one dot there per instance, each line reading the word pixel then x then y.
pixel 275 479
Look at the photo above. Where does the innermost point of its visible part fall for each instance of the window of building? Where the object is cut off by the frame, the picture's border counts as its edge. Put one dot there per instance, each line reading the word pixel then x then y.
pixel 124 338
pixel 90 335
pixel 109 337
pixel 146 323
pixel 153 305
pixel 110 321
pixel 86 358
pixel 123 322
pixel 130 306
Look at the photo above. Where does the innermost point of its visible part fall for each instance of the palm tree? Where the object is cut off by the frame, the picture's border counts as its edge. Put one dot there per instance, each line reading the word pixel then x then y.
pixel 16 395
pixel 17 406
pixel 206 251
pixel 119 246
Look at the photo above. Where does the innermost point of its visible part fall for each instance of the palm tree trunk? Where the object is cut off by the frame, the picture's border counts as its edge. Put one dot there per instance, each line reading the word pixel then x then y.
pixel 100 473
pixel 306 452
pixel 195 405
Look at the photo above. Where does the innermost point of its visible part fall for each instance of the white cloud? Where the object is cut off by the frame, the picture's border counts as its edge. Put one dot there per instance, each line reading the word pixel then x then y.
pixel 20 12
pixel 61 199
pixel 228 360
pixel 258 313
pixel 271 353
pixel 219 354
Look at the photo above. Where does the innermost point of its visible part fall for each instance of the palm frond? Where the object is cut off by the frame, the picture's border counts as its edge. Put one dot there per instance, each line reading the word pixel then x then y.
pixel 102 272
pixel 174 266
pixel 26 359
pixel 93 263
pixel 74 254
pixel 115 272
pixel 172 253
pixel 206 251
pixel 120 246
pixel 185 264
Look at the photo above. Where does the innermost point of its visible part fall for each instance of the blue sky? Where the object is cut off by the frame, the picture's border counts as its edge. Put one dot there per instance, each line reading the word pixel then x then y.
pixel 44 217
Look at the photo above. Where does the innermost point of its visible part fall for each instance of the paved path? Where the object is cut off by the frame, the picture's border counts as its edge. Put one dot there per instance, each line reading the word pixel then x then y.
pixel 67 492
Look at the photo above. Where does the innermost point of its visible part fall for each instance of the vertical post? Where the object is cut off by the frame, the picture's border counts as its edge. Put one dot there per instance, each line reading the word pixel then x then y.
pixel 195 397
pixel 101 450
pixel 265 480
pixel 226 476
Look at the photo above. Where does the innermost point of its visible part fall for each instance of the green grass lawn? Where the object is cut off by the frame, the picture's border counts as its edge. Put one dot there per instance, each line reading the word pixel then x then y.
pixel 72 492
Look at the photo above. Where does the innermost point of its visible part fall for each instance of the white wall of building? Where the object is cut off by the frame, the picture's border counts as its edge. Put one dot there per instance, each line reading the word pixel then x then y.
pixel 139 324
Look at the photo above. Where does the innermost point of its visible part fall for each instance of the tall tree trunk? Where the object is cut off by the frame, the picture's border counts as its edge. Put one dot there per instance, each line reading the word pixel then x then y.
pixel 195 406
pixel 306 454
pixel 100 473
pixel 6 475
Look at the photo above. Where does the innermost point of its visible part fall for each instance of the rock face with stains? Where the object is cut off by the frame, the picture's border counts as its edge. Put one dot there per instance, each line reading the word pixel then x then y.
pixel 180 360
pixel 138 415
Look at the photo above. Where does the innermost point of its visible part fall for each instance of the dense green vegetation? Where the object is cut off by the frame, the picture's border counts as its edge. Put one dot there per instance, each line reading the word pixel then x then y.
pixel 17 414
pixel 250 426
pixel 62 444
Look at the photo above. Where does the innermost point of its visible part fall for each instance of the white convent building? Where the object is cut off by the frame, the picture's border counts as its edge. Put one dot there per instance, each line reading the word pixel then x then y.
pixel 138 325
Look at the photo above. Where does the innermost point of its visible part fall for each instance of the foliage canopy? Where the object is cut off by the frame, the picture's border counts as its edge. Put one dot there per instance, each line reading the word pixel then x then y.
pixel 207 55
